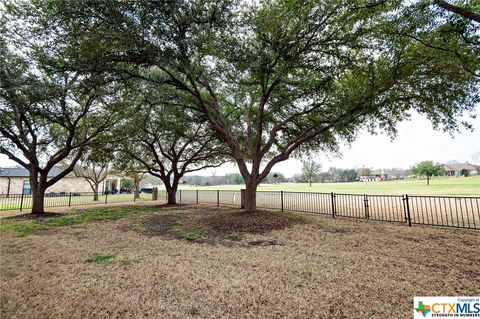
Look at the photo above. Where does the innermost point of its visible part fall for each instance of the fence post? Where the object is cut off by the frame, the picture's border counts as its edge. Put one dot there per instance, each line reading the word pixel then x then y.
pixel 180 196
pixel 106 197
pixel 242 198
pixel 407 207
pixel 281 199
pixel 21 202
pixel 70 199
pixel 197 196
pixel 365 200
pixel 218 197
pixel 333 204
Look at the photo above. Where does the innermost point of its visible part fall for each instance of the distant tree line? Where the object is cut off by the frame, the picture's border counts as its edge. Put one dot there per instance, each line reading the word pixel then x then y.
pixel 310 174
pixel 229 179
pixel 333 174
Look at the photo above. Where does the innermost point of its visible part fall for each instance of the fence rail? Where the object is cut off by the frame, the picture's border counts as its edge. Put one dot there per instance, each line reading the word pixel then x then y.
pixel 449 211
pixel 63 199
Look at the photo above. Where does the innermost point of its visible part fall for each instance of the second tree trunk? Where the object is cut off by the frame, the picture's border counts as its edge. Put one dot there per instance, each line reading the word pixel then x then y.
pixel 251 198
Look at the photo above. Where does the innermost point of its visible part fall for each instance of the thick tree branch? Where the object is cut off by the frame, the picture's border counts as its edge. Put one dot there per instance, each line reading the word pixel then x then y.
pixel 458 10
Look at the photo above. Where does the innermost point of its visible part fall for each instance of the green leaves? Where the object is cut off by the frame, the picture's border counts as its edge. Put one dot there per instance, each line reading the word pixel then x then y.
pixel 428 168
pixel 271 79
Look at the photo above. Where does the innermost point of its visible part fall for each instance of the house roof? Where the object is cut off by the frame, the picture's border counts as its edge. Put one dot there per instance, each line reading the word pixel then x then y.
pixel 23 172
pixel 389 171
pixel 460 166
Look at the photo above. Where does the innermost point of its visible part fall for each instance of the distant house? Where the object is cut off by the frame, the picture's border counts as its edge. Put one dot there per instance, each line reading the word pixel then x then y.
pixel 380 174
pixel 16 181
pixel 384 175
pixel 456 169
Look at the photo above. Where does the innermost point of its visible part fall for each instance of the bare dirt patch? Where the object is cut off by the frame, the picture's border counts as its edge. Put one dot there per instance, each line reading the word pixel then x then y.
pixel 36 216
pixel 254 223
pixel 215 225
pixel 160 225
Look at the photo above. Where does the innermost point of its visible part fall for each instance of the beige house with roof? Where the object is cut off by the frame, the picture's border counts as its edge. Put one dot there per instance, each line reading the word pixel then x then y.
pixel 16 181
pixel 456 169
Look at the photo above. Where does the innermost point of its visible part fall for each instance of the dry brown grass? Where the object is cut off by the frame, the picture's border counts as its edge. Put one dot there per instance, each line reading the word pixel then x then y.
pixel 63 209
pixel 325 268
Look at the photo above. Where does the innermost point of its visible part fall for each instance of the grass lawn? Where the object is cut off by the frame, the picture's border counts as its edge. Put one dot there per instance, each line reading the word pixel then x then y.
pixel 209 262
pixel 460 186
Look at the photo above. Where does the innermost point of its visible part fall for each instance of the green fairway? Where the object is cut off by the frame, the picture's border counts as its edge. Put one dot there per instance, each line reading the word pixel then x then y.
pixel 456 186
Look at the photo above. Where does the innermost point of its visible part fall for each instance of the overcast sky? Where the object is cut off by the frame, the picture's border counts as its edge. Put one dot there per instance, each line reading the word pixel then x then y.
pixel 416 141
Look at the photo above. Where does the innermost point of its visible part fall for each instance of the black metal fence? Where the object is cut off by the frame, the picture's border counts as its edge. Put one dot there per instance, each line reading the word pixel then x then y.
pixel 63 199
pixel 216 197
pixel 449 211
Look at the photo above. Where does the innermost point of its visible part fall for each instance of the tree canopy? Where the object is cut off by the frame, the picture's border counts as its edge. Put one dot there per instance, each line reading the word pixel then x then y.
pixel 428 169
pixel 49 119
pixel 168 140
pixel 277 79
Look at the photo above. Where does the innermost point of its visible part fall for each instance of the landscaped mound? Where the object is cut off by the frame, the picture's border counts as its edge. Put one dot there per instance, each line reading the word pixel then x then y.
pixel 255 223
pixel 210 225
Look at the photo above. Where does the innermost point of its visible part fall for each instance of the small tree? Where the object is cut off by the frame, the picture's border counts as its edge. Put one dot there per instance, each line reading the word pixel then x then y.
pixel 464 172
pixel 93 173
pixel 131 169
pixel 335 174
pixel 137 175
pixel 310 170
pixel 366 172
pixel 127 183
pixel 428 169
pixel 349 175
pixel 93 167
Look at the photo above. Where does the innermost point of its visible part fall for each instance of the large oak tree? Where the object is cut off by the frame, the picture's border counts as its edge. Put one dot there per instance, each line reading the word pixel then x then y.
pixel 169 140
pixel 278 77
pixel 48 119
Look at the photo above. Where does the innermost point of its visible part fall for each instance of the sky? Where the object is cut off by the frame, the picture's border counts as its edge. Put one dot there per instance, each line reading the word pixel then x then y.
pixel 416 141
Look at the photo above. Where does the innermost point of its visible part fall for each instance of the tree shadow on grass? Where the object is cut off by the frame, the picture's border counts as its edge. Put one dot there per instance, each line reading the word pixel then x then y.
pixel 213 225
pixel 35 216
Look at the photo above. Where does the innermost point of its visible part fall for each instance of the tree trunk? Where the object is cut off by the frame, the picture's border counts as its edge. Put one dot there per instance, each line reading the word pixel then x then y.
pixel 251 197
pixel 137 189
pixel 95 193
pixel 310 181
pixel 38 197
pixel 172 191
pixel 171 196
pixel 428 180
pixel 38 194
